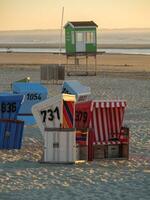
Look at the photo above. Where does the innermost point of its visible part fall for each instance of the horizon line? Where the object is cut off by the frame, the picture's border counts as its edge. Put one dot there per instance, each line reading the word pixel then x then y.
pixel 54 29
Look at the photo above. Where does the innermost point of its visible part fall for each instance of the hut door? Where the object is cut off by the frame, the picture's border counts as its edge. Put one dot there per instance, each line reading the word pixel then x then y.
pixel 80 42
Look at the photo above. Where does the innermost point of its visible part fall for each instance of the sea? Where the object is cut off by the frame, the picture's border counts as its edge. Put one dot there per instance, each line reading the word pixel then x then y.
pixel 123 41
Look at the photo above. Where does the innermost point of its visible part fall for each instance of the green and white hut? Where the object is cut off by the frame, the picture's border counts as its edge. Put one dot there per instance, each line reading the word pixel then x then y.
pixel 80 37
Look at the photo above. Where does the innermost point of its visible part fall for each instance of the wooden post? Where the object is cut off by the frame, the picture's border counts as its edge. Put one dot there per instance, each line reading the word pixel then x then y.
pixel 87 64
pixel 95 65
pixel 67 64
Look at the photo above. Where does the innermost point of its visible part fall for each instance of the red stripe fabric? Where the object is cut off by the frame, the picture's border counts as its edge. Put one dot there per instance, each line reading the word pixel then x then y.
pixel 108 122
pixel 71 106
pixel 66 116
pixel 82 108
pixel 90 145
pixel 106 118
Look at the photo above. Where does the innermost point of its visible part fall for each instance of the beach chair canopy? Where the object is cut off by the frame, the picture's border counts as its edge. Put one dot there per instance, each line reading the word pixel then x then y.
pixel 55 112
pixel 82 92
pixel 33 93
pixel 24 80
pixel 10 105
pixel 105 118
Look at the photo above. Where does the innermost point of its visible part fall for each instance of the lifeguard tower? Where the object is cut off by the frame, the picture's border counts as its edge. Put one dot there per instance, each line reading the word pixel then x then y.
pixel 81 44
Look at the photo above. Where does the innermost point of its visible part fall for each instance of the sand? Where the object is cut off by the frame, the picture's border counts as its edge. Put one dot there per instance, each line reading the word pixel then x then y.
pixel 105 62
pixel 22 177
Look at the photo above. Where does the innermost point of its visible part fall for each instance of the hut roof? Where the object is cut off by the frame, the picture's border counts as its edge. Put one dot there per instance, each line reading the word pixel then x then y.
pixel 76 24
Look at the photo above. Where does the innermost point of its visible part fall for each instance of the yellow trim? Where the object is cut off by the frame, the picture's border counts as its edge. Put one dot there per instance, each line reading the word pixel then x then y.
pixel 69 97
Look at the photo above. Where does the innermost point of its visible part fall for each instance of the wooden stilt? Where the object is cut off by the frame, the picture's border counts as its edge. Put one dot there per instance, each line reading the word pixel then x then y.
pixel 78 69
pixel 86 64
pixel 95 65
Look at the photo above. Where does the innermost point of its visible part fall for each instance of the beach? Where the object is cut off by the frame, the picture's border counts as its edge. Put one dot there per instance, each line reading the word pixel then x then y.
pixel 105 62
pixel 120 77
pixel 105 46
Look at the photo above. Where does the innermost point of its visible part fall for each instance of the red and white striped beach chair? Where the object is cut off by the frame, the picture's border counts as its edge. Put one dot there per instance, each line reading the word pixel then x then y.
pixel 104 119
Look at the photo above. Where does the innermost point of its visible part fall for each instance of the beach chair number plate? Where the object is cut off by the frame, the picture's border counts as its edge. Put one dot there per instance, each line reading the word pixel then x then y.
pixel 81 116
pixel 8 107
pixel 34 96
pixel 50 114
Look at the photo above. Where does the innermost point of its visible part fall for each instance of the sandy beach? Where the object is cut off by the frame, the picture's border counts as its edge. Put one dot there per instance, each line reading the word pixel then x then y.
pixel 105 62
pixel 36 33
pixel 121 77
pixel 22 177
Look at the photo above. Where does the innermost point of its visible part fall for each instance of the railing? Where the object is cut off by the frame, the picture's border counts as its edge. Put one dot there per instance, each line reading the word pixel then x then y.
pixel 82 69
pixel 52 73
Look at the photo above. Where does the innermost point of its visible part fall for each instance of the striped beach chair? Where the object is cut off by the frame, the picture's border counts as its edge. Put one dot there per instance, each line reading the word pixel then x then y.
pixel 104 119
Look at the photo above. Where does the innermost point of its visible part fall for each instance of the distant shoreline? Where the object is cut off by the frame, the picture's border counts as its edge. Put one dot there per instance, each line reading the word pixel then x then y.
pixel 56 45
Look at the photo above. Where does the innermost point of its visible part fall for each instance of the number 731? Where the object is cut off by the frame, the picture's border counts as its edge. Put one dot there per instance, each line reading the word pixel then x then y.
pixel 50 114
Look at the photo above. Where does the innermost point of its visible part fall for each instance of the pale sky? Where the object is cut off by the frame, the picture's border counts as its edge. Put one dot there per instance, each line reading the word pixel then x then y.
pixel 46 14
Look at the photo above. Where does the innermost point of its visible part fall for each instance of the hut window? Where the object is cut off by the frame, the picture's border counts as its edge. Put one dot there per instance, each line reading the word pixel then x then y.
pixel 79 36
pixel 90 37
pixel 72 36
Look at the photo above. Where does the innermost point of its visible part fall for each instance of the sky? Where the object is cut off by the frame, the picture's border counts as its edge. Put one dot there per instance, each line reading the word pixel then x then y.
pixel 46 14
